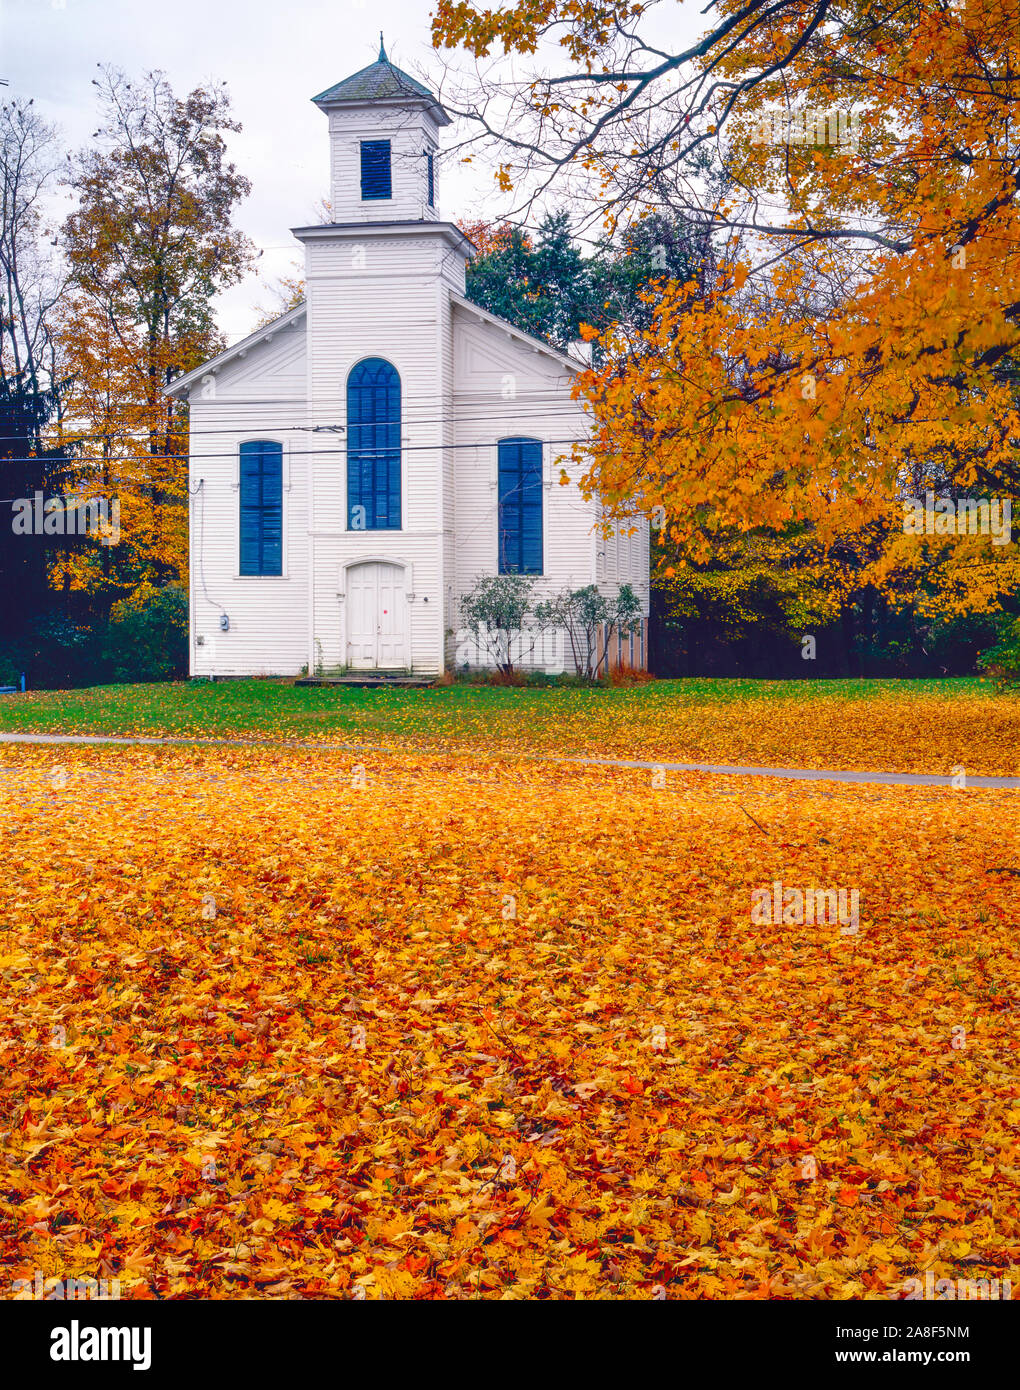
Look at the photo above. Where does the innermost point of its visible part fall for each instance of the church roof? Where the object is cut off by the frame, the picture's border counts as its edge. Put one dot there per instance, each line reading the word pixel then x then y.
pixel 380 81
pixel 182 384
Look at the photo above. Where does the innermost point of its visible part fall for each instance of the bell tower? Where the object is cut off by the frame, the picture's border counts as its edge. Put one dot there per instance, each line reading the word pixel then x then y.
pixel 381 281
pixel 384 138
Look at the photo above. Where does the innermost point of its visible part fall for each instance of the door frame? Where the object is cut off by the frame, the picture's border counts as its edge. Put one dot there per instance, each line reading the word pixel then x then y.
pixel 408 570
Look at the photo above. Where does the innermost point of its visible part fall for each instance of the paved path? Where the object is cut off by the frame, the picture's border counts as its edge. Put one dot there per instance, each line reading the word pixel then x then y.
pixel 799 774
pixel 192 740
pixel 802 774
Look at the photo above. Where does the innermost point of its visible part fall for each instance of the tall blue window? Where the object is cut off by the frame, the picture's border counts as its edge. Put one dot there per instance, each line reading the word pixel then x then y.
pixel 430 180
pixel 520 506
pixel 376 180
pixel 373 447
pixel 261 492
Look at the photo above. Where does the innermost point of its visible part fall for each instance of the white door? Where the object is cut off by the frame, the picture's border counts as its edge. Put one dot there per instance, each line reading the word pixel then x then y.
pixel 376 617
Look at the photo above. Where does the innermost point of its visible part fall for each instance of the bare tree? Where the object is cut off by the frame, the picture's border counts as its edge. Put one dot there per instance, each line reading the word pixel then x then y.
pixel 30 281
pixel 625 122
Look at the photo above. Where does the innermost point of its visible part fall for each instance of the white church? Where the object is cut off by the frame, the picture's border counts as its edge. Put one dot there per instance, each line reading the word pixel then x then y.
pixel 359 463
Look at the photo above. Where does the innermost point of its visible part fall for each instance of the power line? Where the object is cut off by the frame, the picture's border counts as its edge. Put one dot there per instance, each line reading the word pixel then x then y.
pixel 246 424
pixel 303 453
pixel 469 413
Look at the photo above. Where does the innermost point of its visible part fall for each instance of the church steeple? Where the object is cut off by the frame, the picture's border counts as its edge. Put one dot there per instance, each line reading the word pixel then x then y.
pixel 384 134
pixel 381 81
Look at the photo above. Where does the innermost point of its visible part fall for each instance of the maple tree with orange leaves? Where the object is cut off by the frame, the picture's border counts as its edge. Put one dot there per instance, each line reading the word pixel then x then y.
pixel 859 342
pixel 148 245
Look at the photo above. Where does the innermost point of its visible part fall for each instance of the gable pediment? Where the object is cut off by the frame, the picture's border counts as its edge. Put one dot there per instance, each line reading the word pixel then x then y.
pixel 275 351
pixel 274 367
pixel 485 354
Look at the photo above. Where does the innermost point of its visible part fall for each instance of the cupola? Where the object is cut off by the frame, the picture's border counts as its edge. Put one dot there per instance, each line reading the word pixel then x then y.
pixel 384 138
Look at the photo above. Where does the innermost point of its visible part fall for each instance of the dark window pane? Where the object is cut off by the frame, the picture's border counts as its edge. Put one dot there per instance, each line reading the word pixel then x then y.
pixel 261 498
pixel 520 506
pixel 376 181
pixel 373 447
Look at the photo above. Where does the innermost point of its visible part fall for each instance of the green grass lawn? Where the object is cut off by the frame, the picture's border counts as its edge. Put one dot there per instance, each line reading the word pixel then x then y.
pixel 923 725
pixel 270 708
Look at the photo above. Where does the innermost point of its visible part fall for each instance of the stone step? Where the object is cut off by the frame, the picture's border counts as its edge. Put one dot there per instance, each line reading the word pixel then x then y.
pixel 376 680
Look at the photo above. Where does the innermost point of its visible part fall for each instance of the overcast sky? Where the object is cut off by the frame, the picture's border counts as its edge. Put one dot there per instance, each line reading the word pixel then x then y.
pixel 273 56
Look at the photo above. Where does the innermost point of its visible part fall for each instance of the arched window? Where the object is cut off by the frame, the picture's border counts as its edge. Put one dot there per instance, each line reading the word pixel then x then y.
pixel 261 491
pixel 373 446
pixel 520 506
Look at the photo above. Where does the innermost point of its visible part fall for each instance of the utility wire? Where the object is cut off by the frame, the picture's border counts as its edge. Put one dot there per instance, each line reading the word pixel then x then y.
pixel 541 410
pixel 303 453
pixel 247 425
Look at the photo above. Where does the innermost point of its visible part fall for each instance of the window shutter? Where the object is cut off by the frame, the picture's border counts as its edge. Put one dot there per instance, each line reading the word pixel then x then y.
pixel 376 181
pixel 520 506
pixel 272 509
pixel 373 445
pixel 430 180
pixel 261 500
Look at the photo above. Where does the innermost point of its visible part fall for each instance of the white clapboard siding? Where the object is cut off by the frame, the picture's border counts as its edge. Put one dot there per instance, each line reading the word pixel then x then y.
pixel 623 557
pixel 503 388
pixel 409 133
pixel 467 381
pixel 265 635
pixel 421 558
pixel 445 391
pixel 258 393
pixel 385 279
